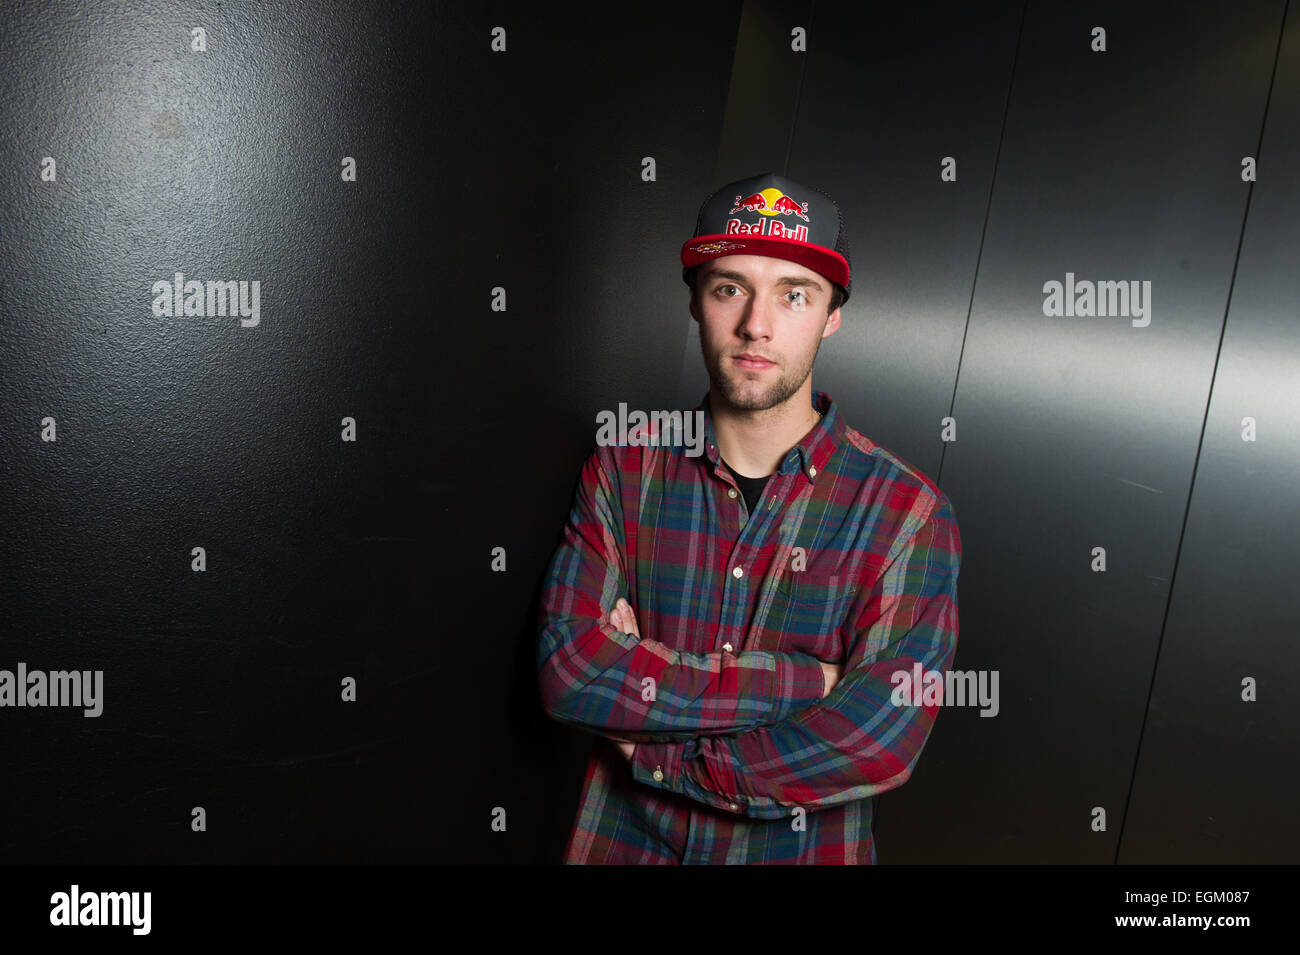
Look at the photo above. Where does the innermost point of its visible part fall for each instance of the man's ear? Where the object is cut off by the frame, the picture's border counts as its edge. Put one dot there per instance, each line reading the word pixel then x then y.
pixel 832 324
pixel 694 308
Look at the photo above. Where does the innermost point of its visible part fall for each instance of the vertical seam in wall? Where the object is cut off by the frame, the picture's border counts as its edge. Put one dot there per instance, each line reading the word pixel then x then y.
pixel 979 254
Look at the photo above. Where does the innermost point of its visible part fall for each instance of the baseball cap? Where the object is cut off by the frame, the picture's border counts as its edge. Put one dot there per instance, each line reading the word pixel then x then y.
pixel 771 215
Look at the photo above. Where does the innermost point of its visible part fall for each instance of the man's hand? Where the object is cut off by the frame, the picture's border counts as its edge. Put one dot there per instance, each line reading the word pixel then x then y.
pixel 831 673
pixel 623 618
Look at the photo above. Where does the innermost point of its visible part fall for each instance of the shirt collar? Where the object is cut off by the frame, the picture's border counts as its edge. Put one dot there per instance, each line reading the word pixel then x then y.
pixel 809 456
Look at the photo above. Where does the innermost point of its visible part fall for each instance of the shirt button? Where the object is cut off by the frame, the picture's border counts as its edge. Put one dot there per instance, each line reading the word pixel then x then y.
pixel 737 573
pixel 727 647
pixel 812 472
pixel 731 492
pixel 658 775
pixel 734 806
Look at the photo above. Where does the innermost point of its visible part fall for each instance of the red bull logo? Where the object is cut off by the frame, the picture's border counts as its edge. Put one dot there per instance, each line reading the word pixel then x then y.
pixel 771 202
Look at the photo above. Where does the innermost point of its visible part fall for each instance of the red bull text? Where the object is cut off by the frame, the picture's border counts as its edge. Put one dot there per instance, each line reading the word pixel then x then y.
pixel 773 227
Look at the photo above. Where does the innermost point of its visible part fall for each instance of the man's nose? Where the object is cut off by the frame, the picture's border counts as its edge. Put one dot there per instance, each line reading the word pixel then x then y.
pixel 757 320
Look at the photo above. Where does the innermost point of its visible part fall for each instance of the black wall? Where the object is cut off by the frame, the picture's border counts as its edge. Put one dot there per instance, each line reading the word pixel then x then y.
pixel 372 559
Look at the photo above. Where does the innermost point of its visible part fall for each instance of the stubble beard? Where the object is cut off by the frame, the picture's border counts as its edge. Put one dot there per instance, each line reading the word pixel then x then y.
pixel 739 389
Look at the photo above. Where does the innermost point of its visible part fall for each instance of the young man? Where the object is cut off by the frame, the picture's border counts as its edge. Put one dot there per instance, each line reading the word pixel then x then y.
pixel 733 624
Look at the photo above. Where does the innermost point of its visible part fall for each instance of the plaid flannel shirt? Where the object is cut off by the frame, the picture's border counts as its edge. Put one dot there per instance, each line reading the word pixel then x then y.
pixel 850 557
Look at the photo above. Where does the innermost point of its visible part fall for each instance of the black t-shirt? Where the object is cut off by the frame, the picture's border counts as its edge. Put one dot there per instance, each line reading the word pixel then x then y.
pixel 751 488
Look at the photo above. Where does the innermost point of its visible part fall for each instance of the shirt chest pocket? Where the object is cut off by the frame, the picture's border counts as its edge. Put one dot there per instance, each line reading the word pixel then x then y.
pixel 810 610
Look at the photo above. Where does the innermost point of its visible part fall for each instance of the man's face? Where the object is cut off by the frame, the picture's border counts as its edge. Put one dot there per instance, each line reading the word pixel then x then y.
pixel 763 306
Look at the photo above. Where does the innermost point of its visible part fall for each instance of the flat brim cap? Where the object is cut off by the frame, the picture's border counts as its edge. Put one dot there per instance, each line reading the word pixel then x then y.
pixel 771 215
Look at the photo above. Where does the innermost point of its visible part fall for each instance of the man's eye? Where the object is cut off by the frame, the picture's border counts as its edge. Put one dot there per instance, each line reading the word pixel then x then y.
pixel 802 299
pixel 723 288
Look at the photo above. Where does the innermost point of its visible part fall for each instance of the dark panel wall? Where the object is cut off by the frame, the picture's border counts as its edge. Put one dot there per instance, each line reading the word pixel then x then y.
pixel 1216 780
pixel 1077 433
pixel 325 559
pixel 526 170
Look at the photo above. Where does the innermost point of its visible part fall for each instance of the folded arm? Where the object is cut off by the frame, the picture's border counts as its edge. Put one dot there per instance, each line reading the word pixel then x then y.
pixel 857 741
pixel 609 682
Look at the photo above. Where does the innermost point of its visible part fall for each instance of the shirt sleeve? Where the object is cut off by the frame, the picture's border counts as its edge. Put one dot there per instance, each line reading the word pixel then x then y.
pixel 866 736
pixel 594 677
